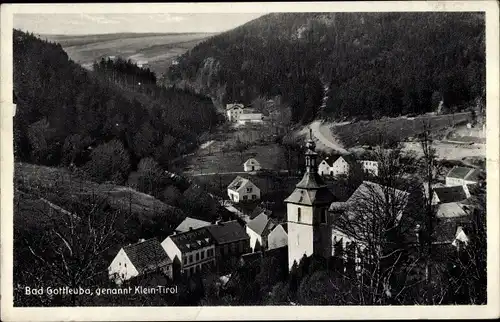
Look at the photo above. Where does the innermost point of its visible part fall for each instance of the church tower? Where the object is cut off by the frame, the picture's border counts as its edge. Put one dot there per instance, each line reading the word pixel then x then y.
pixel 309 225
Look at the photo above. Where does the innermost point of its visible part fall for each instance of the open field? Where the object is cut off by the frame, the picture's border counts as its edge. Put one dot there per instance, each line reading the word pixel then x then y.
pixel 158 50
pixel 400 128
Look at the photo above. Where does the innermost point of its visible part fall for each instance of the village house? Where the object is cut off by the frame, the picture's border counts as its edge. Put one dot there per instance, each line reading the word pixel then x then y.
pixel 278 237
pixel 193 250
pixel 449 194
pixel 337 165
pixel 242 189
pixel 251 165
pixel 233 111
pixel 460 176
pixel 370 167
pixel 259 229
pixel 230 239
pixel 138 259
pixel 191 223
pixel 245 118
pixel 452 232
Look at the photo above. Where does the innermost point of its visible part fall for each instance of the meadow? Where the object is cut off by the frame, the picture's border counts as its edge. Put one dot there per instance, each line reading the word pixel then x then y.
pixel 399 129
pixel 159 50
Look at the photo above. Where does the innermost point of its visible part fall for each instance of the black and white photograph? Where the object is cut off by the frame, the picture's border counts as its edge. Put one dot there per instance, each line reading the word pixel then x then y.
pixel 266 157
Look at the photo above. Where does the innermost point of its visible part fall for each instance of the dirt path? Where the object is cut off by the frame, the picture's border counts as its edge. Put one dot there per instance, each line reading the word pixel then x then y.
pixel 324 137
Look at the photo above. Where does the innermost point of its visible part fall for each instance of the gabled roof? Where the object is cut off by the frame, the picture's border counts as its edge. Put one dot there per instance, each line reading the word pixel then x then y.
pixel 464 173
pixel 238 182
pixel 261 225
pixel 227 232
pixel 450 210
pixel 193 239
pixel 330 160
pixel 193 223
pixel 446 230
pixel 235 105
pixel 450 194
pixel 252 161
pixel 147 255
pixel 310 197
pixel 258 210
pixel 282 225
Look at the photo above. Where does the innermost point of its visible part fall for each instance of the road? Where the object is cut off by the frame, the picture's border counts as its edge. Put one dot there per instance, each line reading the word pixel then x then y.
pixel 322 134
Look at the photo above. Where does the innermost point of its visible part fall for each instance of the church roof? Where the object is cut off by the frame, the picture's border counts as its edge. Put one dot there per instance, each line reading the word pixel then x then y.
pixel 321 196
pixel 311 180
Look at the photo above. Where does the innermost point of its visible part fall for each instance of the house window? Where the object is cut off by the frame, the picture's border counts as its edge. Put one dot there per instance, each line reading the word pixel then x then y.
pixel 197 256
pixel 190 258
pixel 249 189
pixel 254 197
pixel 202 254
pixel 298 214
pixel 125 264
pixel 331 173
pixel 245 197
pixel 185 260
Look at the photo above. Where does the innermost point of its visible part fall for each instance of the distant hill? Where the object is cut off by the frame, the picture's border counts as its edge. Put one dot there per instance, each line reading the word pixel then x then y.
pixel 66 114
pixel 156 50
pixel 343 65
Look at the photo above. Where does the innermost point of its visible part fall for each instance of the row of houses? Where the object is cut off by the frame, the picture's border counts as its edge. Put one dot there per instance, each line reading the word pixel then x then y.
pixel 342 164
pixel 237 112
pixel 195 246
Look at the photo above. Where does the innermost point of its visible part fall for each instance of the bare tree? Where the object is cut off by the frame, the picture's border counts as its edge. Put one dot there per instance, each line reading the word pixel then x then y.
pixel 77 235
pixel 374 222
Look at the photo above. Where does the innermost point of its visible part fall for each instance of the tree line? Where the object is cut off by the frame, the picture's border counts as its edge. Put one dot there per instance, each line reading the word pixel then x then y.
pixel 365 65
pixel 67 115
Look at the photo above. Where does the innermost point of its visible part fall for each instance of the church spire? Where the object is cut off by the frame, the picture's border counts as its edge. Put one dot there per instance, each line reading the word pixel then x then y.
pixel 311 179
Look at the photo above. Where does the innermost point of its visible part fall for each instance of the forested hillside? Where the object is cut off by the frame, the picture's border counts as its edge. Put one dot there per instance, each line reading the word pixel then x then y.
pixel 69 116
pixel 368 64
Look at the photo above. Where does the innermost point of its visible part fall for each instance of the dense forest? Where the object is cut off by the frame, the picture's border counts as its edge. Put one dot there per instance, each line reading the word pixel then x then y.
pixel 365 65
pixel 69 116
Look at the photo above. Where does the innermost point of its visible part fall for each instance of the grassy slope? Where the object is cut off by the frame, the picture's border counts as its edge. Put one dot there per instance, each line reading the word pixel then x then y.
pixel 35 179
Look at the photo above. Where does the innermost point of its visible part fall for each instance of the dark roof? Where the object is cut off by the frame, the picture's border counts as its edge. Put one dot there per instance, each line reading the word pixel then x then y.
pixel 227 232
pixel 193 239
pixel 331 159
pixel 285 227
pixel 349 158
pixel 464 173
pixel 445 230
pixel 262 225
pixel 258 210
pixel 450 194
pixel 147 255
pixel 321 196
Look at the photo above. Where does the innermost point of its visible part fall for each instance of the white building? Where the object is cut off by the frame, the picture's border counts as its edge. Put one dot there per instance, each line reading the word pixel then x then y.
pixel 335 166
pixel 233 111
pixel 140 258
pixel 370 167
pixel 242 189
pixel 259 229
pixel 460 176
pixel 250 118
pixel 193 251
pixel 251 165
pixel 191 223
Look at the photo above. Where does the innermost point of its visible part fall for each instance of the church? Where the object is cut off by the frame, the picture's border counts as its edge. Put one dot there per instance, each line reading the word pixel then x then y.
pixel 312 210
pixel 308 219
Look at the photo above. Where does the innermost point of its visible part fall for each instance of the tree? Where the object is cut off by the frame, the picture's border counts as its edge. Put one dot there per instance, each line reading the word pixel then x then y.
pixel 70 250
pixel 374 223
pixel 109 161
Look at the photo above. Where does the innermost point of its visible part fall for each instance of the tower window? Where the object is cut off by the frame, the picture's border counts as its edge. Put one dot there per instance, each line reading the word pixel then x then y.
pixel 298 214
pixel 323 216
